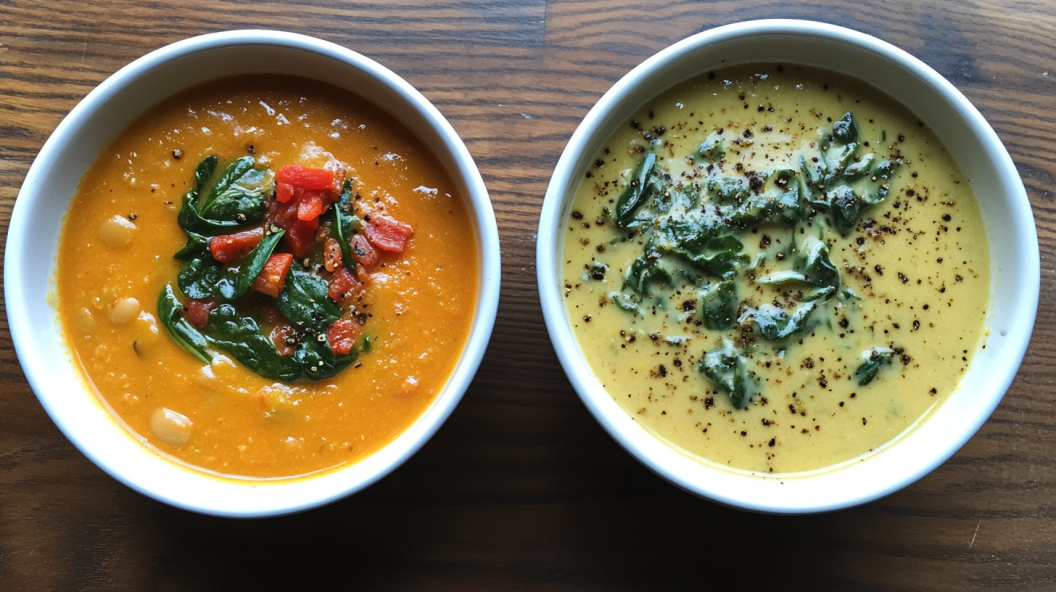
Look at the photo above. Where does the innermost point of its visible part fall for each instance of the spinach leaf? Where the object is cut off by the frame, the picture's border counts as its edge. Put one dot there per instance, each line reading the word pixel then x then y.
pixel 318 361
pixel 254 262
pixel 191 221
pixel 638 191
pixel 711 150
pixel 343 224
pixel 240 194
pixel 727 367
pixel 203 172
pixel 813 269
pixel 205 277
pixel 196 245
pixel 242 338
pixel 645 270
pixel 305 301
pixel 170 314
pixel 626 302
pixel 845 130
pixel 729 190
pixel 874 359
pixel 774 324
pixel 719 305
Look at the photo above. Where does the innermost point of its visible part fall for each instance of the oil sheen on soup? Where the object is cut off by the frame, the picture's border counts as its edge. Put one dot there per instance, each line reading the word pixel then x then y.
pixel 267 277
pixel 776 269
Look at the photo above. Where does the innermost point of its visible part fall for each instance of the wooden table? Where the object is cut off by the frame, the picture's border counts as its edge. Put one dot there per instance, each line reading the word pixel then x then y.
pixel 521 489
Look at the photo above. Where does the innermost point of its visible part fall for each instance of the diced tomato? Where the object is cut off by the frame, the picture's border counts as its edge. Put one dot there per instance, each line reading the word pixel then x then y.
pixel 362 273
pixel 342 336
pixel 283 192
pixel 305 178
pixel 332 254
pixel 309 206
pixel 273 277
pixel 363 252
pixel 387 234
pixel 283 215
pixel 300 239
pixel 197 311
pixel 342 284
pixel 279 335
pixel 233 247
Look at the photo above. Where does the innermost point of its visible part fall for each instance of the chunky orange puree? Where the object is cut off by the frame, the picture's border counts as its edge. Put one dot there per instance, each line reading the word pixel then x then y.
pixel 110 273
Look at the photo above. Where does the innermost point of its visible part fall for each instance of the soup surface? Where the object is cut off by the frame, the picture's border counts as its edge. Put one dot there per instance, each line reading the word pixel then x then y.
pixel 776 269
pixel 414 306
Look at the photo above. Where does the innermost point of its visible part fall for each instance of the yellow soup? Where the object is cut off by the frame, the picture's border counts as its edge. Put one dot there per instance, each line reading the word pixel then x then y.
pixel 415 306
pixel 776 269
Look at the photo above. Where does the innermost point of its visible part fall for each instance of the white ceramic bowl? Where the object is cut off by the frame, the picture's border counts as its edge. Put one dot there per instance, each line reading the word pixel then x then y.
pixel 32 244
pixel 972 143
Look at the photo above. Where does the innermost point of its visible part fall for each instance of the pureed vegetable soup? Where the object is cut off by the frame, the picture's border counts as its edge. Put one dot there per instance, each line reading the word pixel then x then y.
pixel 776 269
pixel 266 276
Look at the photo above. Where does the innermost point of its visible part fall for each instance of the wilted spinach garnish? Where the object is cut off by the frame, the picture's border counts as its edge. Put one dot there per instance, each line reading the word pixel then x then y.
pixel 692 231
pixel 237 278
pixel 873 360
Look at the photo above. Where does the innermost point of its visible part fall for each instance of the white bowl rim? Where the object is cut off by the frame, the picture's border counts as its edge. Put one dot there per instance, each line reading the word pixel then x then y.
pixel 326 486
pixel 663 459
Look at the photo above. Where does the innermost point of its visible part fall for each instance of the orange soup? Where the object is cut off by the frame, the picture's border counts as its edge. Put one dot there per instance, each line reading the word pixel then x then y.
pixel 266 277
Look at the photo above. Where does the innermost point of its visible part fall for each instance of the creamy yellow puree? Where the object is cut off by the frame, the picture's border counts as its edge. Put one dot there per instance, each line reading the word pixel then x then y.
pixel 914 277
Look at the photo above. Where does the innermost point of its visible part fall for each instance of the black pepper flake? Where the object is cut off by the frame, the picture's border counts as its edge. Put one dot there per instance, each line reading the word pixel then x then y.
pixel 576 215
pixel 934 391
pixel 177 154
pixel 879 269
pixel 662 371
pixel 925 307
pixel 916 325
pixel 946 218
pixel 772 442
pixel 586 319
pixel 132 216
pixel 958 278
pixel 252 149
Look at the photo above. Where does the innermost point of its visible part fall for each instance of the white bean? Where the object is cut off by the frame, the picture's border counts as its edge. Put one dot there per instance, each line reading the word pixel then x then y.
pixel 123 310
pixel 171 427
pixel 147 333
pixel 117 231
pixel 85 322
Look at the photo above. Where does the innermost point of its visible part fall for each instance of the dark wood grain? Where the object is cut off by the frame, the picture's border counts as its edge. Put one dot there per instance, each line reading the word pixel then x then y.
pixel 521 489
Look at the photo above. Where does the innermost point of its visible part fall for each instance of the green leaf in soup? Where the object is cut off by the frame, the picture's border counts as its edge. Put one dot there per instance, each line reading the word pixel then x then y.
pixel 231 174
pixel 170 314
pixel 644 271
pixel 196 245
pixel 711 150
pixel 242 338
pixel 638 191
pixel 204 277
pixel 191 221
pixel 344 222
pixel 845 130
pixel 729 190
pixel 718 305
pixel 775 324
pixel 872 361
pixel 626 302
pixel 305 301
pixel 727 367
pixel 203 172
pixel 240 195
pixel 254 262
pixel 318 361
pixel 813 268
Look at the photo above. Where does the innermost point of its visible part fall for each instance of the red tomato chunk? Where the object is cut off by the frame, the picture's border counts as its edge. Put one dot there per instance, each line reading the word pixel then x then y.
pixel 363 252
pixel 283 192
pixel 197 311
pixel 305 178
pixel 342 284
pixel 342 336
pixel 309 206
pixel 332 254
pixel 273 277
pixel 233 247
pixel 387 234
